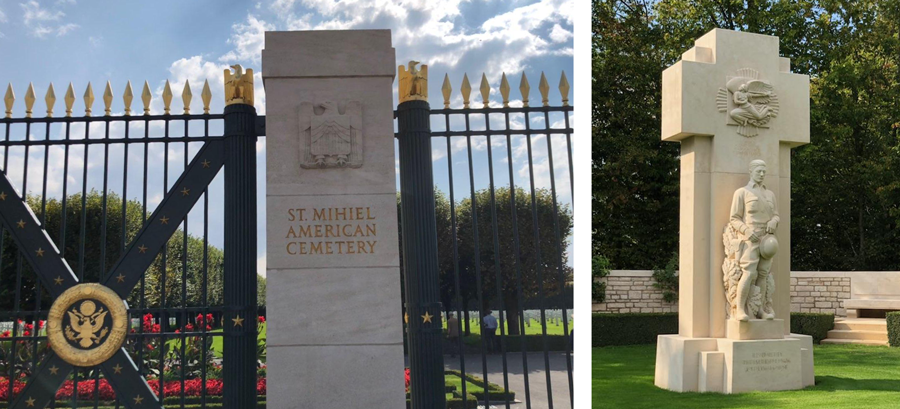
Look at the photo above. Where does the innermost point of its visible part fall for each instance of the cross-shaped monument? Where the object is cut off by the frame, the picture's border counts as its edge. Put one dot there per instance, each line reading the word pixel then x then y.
pixel 732 101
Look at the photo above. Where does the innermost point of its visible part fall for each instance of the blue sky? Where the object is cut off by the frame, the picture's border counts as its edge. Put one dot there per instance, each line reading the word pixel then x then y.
pixel 77 41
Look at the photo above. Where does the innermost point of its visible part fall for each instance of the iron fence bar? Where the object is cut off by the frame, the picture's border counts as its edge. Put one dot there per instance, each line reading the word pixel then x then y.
pixel 498 284
pixel 164 257
pixel 515 225
pixel 477 262
pixel 459 303
pixel 98 141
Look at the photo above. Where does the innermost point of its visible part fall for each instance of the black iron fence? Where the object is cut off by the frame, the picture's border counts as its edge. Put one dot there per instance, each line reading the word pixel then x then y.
pixel 124 200
pixel 503 218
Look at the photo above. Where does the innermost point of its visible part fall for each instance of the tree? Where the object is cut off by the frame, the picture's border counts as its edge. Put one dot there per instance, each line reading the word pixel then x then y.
pixel 94 263
pixel 537 268
pixel 845 193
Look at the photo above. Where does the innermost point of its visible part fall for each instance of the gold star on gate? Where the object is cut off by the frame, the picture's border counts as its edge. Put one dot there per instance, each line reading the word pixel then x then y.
pixel 138 400
pixel 205 163
pixel 21 224
pixel 164 220
pixel 185 191
pixel 120 278
pixel 30 402
pixel 39 252
pixel 406 317
pixel 427 317
pixel 2 195
pixel 117 369
pixel 58 280
pixel 238 321
pixel 54 370
pixel 142 248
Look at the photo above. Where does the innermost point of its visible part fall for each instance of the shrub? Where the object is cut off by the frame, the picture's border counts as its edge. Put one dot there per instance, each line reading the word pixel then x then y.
pixel 815 324
pixel 666 279
pixel 600 269
pixel 893 328
pixel 631 328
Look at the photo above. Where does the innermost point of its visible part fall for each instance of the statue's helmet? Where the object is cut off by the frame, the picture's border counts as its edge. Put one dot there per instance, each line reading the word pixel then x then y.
pixel 768 246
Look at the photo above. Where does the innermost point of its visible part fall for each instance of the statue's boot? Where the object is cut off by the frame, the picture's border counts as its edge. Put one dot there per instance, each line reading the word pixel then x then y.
pixel 768 315
pixel 742 315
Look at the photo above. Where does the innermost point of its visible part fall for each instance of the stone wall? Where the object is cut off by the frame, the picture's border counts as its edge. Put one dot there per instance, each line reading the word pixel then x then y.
pixel 811 291
pixel 633 291
pixel 820 292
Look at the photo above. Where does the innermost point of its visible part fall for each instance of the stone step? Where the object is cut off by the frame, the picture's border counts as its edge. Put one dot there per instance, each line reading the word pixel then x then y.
pixel 862 324
pixel 854 341
pixel 855 334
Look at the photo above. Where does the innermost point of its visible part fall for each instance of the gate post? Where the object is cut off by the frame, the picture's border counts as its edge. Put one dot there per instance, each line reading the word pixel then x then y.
pixel 420 258
pixel 239 318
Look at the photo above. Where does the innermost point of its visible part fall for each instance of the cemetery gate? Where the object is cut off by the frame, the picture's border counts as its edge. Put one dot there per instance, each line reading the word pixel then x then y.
pixel 186 334
pixel 97 210
pixel 497 240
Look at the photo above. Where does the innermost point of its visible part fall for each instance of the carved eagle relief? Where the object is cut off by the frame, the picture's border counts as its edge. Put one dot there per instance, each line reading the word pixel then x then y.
pixel 329 137
pixel 750 102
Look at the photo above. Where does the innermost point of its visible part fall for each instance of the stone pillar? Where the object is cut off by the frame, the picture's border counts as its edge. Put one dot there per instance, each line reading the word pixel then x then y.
pixel 333 290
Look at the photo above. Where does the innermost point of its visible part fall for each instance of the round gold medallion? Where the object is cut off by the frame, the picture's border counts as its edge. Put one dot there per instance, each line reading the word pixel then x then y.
pixel 87 324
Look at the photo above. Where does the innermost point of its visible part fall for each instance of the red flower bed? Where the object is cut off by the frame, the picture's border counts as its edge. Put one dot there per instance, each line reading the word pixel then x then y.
pixel 192 387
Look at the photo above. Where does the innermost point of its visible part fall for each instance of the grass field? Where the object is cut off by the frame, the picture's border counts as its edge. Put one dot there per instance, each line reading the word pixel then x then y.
pixel 847 376
pixel 175 344
pixel 553 328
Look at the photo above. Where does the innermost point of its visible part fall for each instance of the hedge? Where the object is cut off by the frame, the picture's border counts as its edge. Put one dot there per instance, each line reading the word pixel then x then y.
pixel 644 328
pixel 893 328
pixel 631 328
pixel 816 325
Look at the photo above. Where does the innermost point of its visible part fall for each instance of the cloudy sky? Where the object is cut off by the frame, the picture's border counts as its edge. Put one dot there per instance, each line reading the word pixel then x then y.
pixel 81 41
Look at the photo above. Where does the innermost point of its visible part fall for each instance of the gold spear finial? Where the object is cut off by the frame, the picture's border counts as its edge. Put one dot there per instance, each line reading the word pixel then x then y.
pixel 107 99
pixel 29 100
pixel 145 98
pixel 69 99
pixel 238 85
pixel 50 99
pixel 485 90
pixel 167 98
pixel 446 89
pixel 88 99
pixel 8 99
pixel 525 89
pixel 544 87
pixel 186 96
pixel 466 90
pixel 127 97
pixel 564 89
pixel 206 96
pixel 504 90
pixel 413 84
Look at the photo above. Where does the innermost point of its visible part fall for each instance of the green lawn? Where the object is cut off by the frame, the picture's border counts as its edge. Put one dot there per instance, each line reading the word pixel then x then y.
pixel 553 328
pixel 175 344
pixel 847 376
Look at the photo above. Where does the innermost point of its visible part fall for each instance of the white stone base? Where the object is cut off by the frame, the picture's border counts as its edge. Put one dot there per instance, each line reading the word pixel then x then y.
pixel 754 329
pixel 733 366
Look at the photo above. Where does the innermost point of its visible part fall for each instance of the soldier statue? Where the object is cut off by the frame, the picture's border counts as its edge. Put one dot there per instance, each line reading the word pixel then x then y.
pixel 750 245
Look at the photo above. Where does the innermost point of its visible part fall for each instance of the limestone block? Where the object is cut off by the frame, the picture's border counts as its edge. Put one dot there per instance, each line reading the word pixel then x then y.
pixel 678 361
pixel 806 357
pixel 712 372
pixel 761 365
pixel 755 329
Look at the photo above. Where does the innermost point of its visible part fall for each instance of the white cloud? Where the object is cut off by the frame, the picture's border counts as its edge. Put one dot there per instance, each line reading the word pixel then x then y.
pixel 2 16
pixel 248 40
pixel 43 22
pixel 34 12
pixel 559 34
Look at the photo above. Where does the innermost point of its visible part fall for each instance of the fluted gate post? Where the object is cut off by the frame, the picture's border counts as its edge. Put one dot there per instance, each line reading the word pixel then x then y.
pixel 239 321
pixel 420 259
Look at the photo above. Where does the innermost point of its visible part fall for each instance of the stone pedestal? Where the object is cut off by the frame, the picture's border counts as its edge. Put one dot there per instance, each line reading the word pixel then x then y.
pixel 733 366
pixel 333 291
pixel 755 329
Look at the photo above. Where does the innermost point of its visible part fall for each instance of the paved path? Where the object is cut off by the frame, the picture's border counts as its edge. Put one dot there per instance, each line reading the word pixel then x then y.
pixel 537 377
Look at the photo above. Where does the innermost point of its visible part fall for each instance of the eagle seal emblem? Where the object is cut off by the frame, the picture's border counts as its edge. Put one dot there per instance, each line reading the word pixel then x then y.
pixel 87 324
pixel 749 101
pixel 330 137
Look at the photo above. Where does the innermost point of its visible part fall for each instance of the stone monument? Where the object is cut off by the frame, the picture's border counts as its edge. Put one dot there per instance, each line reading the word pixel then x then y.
pixel 333 293
pixel 734 106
